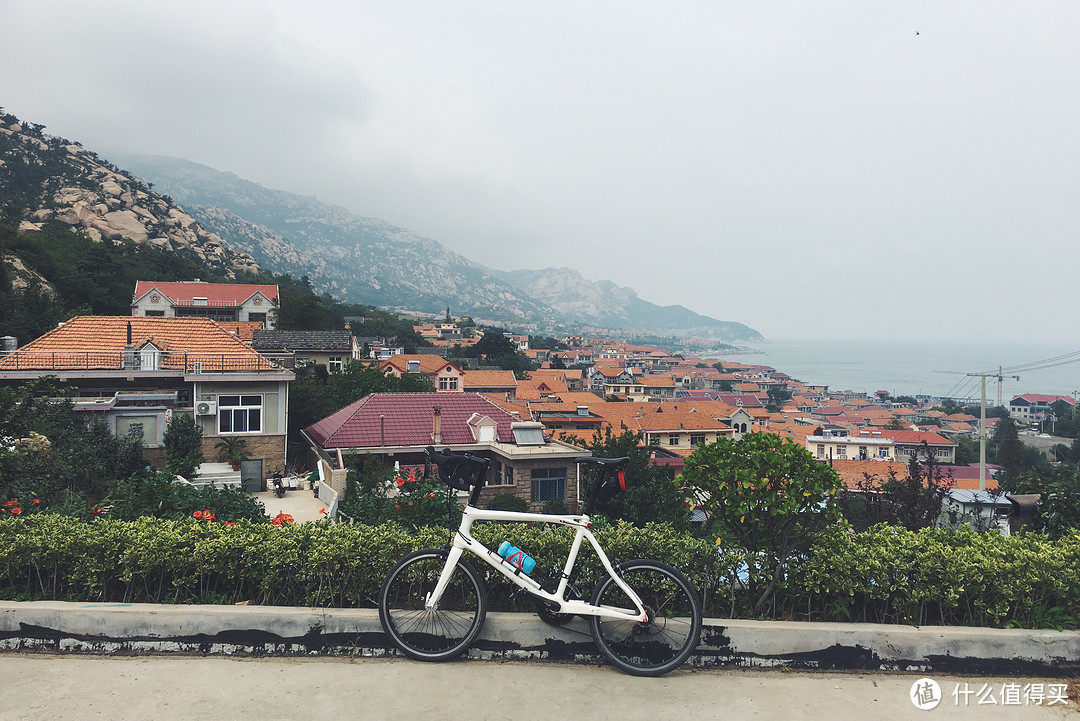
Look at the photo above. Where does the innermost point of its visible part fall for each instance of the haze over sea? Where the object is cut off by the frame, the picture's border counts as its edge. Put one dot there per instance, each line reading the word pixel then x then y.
pixel 908 367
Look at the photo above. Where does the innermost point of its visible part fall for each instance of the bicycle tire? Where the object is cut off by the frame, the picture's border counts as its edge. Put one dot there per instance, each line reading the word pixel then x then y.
pixel 671 634
pixel 437 634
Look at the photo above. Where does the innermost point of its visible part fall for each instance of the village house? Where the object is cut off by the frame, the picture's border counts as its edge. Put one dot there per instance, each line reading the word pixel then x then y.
pixel 445 376
pixel 328 349
pixel 397 427
pixel 1035 407
pixel 225 302
pixel 138 372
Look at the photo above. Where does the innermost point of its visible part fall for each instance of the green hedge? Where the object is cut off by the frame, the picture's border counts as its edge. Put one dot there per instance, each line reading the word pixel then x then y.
pixel 882 575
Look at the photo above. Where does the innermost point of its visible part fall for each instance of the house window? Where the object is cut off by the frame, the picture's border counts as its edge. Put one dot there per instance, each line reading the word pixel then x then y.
pixel 697 439
pixel 155 313
pixel 841 451
pixel 821 450
pixel 135 431
pixel 508 476
pixel 334 364
pixel 257 318
pixel 548 483
pixel 448 384
pixel 673 439
pixel 240 414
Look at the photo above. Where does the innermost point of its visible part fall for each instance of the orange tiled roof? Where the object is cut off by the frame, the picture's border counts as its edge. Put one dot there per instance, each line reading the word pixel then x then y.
pixel 244 330
pixel 95 342
pixel 488 379
pixel 428 364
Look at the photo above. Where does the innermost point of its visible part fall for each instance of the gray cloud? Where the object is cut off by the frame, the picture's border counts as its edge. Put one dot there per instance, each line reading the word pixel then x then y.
pixel 751 162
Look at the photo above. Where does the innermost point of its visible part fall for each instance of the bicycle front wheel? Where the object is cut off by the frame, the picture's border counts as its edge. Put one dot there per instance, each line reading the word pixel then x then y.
pixel 671 634
pixel 438 633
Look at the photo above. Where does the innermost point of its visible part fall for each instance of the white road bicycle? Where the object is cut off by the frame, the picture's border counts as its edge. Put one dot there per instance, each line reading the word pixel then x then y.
pixel 644 615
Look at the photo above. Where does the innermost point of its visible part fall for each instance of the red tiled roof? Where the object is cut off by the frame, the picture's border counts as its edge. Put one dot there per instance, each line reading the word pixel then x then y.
pixel 183 292
pixel 407 419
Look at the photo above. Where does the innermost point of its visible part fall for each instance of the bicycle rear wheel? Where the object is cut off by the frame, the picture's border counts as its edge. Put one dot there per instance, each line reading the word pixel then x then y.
pixel 671 634
pixel 439 633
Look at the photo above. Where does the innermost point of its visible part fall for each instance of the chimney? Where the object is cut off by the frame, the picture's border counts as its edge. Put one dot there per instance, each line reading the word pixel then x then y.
pixel 436 431
pixel 129 351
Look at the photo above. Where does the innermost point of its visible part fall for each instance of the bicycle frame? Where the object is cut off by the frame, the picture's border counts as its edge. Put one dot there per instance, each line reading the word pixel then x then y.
pixel 464 541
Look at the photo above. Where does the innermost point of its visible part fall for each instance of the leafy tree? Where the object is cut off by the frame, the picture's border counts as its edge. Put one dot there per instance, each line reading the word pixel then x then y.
pixel 967 450
pixel 64 456
pixel 1058 511
pixel 777 397
pixel 183 446
pixel 1006 446
pixel 915 501
pixel 767 494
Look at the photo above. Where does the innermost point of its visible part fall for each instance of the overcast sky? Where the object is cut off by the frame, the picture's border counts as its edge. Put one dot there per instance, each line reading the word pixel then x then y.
pixel 829 169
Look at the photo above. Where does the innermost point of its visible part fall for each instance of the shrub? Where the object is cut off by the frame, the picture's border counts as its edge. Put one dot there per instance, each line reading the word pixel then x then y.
pixel 556 507
pixel 509 502
pixel 886 574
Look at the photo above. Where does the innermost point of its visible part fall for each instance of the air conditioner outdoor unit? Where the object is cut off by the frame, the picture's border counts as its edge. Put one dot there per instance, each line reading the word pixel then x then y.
pixel 205 408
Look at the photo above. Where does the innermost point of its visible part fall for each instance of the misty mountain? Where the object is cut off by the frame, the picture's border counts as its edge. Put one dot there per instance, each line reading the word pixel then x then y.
pixel 370 261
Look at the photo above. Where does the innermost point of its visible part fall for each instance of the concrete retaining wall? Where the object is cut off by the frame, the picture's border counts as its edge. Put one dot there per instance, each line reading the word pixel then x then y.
pixel 103 628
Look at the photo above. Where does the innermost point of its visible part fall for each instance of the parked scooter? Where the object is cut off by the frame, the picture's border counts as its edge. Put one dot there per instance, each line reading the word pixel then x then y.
pixel 279 487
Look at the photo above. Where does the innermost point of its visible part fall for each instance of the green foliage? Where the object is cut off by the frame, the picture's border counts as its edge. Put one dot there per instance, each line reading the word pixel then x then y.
pixel 768 495
pixel 555 507
pixel 1005 446
pixel 232 449
pixel 78 459
pixel 380 496
pixel 651 496
pixel 160 495
pixel 183 446
pixel 883 575
pixel 87 277
pixel 1057 513
pixel 508 502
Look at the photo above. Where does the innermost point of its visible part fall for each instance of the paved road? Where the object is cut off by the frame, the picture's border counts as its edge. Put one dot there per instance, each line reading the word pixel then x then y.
pixel 184 688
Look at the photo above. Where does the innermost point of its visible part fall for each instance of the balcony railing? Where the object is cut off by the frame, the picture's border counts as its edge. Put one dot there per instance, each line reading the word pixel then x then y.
pixel 208 304
pixel 176 361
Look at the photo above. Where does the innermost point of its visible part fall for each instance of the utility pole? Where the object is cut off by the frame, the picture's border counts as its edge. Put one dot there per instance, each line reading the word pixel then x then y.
pixel 982 421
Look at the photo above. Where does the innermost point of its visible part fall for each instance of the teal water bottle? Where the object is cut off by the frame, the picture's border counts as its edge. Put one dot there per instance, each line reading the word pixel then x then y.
pixel 516 557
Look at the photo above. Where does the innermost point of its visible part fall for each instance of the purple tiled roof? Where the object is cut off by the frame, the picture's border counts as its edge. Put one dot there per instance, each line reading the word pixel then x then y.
pixel 407 419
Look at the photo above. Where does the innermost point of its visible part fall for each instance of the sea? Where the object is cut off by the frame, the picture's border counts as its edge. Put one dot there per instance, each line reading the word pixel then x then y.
pixel 915 367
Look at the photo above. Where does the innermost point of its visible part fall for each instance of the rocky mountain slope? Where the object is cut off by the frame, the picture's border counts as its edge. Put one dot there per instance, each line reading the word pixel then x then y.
pixel 606 305
pixel 45 178
pixel 369 261
pixel 357 259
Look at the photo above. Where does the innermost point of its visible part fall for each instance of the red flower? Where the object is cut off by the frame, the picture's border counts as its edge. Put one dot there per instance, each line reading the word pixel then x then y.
pixel 412 476
pixel 397 507
pixel 322 510
pixel 197 514
pixel 35 502
pixel 229 523
pixel 96 510
pixel 399 481
pixel 9 504
pixel 16 511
